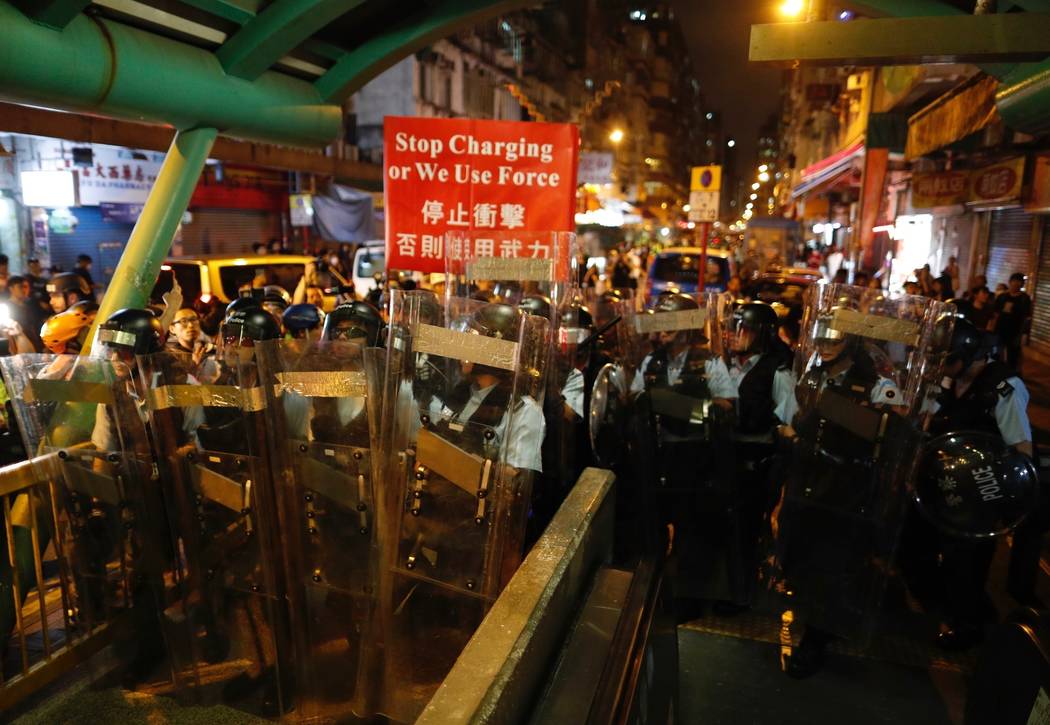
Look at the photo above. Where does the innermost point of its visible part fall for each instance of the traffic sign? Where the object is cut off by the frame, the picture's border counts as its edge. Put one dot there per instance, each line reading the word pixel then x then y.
pixel 706 178
pixel 703 206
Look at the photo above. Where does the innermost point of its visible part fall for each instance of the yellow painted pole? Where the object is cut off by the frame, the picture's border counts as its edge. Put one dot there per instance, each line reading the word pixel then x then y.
pixel 139 265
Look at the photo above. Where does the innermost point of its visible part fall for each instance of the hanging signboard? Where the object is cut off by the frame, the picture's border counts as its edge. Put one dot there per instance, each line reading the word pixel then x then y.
pixel 998 182
pixel 118 175
pixel 465 175
pixel 939 188
pixel 301 209
pixel 596 167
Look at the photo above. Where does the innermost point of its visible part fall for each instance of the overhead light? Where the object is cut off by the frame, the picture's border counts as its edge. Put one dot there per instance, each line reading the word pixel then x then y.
pixel 763 168
pixel 754 196
pixel 792 8
pixel 763 177
pixel 616 135
pixel 755 186
pixel 730 143
pixel 686 208
pixel 710 115
pixel 49 189
pixel 665 232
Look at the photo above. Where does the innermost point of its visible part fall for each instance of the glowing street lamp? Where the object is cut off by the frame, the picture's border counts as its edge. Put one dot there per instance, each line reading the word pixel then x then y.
pixel 763 177
pixel 754 196
pixel 763 168
pixel 792 8
pixel 616 135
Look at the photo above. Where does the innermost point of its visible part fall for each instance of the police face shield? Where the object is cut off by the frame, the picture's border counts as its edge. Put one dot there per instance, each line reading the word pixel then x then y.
pixel 98 530
pixel 865 363
pixel 208 426
pixel 323 430
pixel 462 454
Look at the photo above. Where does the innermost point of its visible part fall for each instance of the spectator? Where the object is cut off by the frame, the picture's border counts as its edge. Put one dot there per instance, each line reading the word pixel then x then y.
pixel 24 311
pixel 952 273
pixel 911 287
pixel 947 286
pixel 734 286
pixel 3 275
pixel 37 280
pixel 1013 310
pixel 83 268
pixel 979 309
pixel 1000 290
pixel 841 276
pixel 860 279
pixel 259 248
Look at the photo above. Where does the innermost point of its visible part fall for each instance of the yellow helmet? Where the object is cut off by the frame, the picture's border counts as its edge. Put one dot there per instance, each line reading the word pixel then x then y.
pixel 65 327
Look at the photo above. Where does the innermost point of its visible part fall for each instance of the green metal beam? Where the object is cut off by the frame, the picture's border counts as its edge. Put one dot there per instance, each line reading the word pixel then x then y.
pixel 150 240
pixel 374 56
pixel 110 69
pixel 275 31
pixel 55 14
pixel 235 12
pixel 904 41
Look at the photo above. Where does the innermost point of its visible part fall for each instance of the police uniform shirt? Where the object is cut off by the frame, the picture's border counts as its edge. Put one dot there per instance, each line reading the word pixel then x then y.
pixel 573 391
pixel 1011 411
pixel 104 438
pixel 718 380
pixel 522 450
pixel 783 386
pixel 883 392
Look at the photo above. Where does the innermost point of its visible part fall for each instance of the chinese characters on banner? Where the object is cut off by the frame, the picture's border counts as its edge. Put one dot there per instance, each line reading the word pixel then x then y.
pixel 503 184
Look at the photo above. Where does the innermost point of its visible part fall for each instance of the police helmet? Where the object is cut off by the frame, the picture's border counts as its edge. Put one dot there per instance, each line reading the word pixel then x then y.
pixel 577 324
pixel 675 302
pixel 276 296
pixel 495 319
pixel 241 303
pixel 61 284
pixel 132 330
pixel 301 317
pixel 971 484
pixel 352 320
pixel 536 305
pixel 58 331
pixel 967 343
pixel 761 319
pixel 252 324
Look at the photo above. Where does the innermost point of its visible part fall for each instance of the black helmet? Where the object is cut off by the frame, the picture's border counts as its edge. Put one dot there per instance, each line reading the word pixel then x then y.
pixel 133 330
pixel 274 294
pixel 242 303
pixel 536 305
pixel 972 485
pixel 496 319
pixel 60 284
pixel 967 343
pixel 675 302
pixel 301 317
pixel 364 321
pixel 759 318
pixel 254 323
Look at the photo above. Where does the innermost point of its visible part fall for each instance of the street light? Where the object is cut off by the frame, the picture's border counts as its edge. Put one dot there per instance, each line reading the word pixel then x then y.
pixel 616 135
pixel 754 196
pixel 792 8
pixel 754 187
pixel 763 177
pixel 763 168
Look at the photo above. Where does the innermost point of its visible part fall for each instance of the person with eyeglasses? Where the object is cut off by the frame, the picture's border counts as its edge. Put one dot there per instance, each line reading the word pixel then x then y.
pixel 188 338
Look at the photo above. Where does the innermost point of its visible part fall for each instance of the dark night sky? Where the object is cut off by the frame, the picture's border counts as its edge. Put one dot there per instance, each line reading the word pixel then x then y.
pixel 717 32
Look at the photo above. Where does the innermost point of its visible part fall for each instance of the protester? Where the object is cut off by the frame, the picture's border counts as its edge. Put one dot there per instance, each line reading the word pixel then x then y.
pixel 1013 310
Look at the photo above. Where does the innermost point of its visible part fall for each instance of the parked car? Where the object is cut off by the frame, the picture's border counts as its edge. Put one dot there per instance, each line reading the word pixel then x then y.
pixel 678 270
pixel 220 277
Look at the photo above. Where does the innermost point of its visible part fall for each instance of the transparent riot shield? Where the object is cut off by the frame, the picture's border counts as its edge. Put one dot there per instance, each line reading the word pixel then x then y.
pixel 463 451
pixel 323 426
pixel 683 417
pixel 99 529
pixel 864 364
pixel 208 427
pixel 508 266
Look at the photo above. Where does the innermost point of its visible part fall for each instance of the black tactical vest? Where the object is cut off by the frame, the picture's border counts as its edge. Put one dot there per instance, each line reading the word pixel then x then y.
pixel 975 409
pixel 756 410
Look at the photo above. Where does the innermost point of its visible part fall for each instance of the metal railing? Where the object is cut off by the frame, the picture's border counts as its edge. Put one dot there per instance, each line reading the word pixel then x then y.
pixel 34 535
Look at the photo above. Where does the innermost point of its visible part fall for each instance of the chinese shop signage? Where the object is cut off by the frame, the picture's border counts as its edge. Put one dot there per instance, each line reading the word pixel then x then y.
pixel 118 176
pixel 491 180
pixel 995 183
pixel 939 188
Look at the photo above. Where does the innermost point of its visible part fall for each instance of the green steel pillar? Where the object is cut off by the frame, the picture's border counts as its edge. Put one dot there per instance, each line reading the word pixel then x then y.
pixel 151 238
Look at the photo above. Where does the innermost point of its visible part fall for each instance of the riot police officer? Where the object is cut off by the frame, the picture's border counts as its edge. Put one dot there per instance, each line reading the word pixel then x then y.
pixel 759 366
pixel 302 321
pixel 357 321
pixel 67 289
pixel 986 395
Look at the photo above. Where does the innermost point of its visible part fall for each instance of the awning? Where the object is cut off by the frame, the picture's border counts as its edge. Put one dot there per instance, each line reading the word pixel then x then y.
pixel 828 171
pixel 964 110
